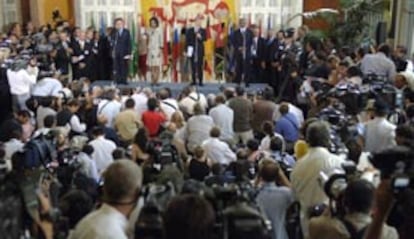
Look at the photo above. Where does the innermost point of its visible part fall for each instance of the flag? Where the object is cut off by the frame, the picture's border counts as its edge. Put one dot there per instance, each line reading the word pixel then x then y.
pixel 230 66
pixel 167 41
pixel 220 36
pixel 176 51
pixel 102 26
pixel 134 53
pixel 249 23
pixel 209 51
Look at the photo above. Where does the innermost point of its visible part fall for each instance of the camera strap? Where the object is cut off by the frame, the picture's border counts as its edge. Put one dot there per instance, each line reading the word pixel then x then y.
pixel 352 230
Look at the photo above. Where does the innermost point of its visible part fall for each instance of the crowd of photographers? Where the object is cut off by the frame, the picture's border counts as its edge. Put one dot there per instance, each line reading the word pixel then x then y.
pixel 328 156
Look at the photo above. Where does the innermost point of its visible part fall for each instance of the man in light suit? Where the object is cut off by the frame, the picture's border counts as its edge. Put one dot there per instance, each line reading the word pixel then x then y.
pixel 121 51
pixel 195 39
pixel 242 41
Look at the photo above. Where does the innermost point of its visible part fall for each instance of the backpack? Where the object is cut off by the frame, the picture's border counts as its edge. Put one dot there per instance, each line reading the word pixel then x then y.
pixel 352 230
pixel 39 152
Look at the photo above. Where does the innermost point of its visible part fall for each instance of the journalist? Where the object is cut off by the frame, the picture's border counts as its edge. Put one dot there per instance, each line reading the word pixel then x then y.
pixel 305 174
pixel 122 183
pixel 358 200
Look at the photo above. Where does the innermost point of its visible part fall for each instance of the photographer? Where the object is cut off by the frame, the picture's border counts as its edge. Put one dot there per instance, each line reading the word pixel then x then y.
pixel 305 174
pixel 189 217
pixel 123 181
pixel 358 201
pixel 379 133
pixel 274 200
pixel 21 78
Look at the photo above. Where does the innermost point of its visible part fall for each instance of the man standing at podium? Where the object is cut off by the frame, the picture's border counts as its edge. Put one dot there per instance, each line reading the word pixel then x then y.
pixel 121 51
pixel 242 42
pixel 195 39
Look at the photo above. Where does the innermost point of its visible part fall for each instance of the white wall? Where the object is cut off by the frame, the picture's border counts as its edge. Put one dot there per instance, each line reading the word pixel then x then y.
pixel 9 12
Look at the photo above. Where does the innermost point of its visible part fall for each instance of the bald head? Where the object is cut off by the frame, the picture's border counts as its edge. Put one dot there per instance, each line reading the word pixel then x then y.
pixel 122 181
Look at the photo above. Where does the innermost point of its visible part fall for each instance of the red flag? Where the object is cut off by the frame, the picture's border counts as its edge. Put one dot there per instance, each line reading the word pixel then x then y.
pixel 220 36
pixel 260 27
pixel 165 49
pixel 249 23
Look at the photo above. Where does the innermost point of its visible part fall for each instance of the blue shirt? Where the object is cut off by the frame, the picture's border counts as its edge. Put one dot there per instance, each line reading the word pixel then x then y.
pixel 288 127
pixel 274 201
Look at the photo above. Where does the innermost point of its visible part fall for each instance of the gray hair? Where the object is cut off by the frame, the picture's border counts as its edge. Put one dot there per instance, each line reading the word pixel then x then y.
pixel 318 134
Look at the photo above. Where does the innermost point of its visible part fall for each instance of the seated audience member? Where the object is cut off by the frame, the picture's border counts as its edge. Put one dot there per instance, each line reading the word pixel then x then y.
pixel 47 86
pixel 358 202
pixel 190 98
pixel 13 145
pixel 217 150
pixel 168 104
pixel 288 126
pixel 178 120
pixel 189 217
pixel 153 119
pixel 49 122
pixel 276 152
pixel 68 118
pixel 254 154
pixel 87 164
pixel 102 149
pixel 44 109
pixel 301 147
pixel 269 131
pixel 24 119
pixel 123 181
pixel 199 166
pixel 109 107
pixel 74 206
pixel 274 200
pixel 223 118
pixel 218 176
pixel 198 128
pixel 139 148
pixel 127 122
pixel 119 153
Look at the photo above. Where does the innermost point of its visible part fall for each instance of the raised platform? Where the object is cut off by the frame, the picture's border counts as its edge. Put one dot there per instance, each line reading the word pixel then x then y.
pixel 176 88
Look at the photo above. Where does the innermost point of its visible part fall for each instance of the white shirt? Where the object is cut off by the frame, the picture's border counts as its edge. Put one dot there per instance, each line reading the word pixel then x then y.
pixel 76 125
pixel 169 106
pixel 223 117
pixel 379 134
pixel 47 87
pixel 20 81
pixel 197 130
pixel 218 151
pixel 110 110
pixel 140 100
pixel 104 223
pixel 10 147
pixel 265 143
pixel 192 99
pixel 41 114
pixel 88 166
pixel 102 154
pixel 305 179
pixel 292 109
pixel 41 131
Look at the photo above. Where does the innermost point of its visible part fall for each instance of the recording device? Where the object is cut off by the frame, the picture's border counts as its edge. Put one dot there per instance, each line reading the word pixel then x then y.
pixel 396 163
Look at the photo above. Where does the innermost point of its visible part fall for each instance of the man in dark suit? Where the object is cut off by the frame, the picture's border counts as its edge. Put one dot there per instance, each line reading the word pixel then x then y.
pixel 63 54
pixel 242 41
pixel 121 51
pixel 195 38
pixel 272 47
pixel 82 57
pixel 258 51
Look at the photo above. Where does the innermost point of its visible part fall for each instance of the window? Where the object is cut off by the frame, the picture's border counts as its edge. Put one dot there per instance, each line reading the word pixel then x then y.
pixel 274 3
pixel 259 17
pixel 101 2
pixel 260 3
pixel 116 2
pixel 246 3
pixel 89 2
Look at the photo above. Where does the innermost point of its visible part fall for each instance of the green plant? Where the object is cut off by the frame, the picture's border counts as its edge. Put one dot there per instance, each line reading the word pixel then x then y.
pixel 352 25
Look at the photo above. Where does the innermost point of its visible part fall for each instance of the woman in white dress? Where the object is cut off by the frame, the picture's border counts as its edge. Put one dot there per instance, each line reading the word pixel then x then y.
pixel 155 45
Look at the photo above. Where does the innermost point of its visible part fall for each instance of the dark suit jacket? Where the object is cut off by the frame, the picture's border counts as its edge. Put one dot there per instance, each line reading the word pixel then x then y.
pixel 272 47
pixel 237 42
pixel 62 59
pixel 261 49
pixel 192 40
pixel 87 53
pixel 121 44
